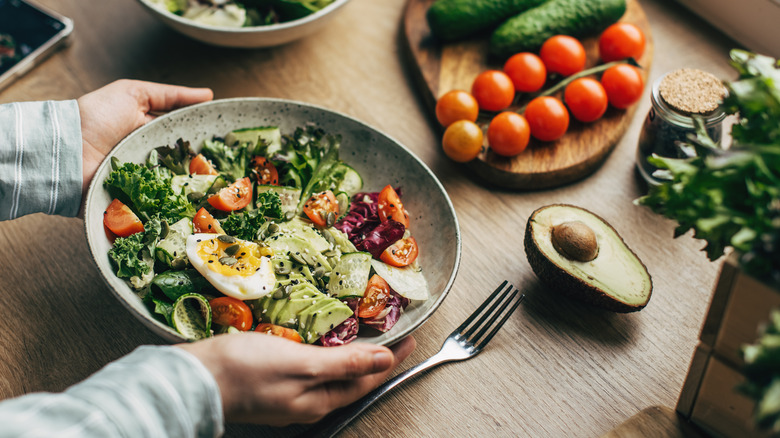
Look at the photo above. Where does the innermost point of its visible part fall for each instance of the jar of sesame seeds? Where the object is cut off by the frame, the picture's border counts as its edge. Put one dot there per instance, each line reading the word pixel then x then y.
pixel 676 98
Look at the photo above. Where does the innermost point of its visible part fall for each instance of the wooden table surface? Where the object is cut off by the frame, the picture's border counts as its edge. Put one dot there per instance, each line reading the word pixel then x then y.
pixel 556 369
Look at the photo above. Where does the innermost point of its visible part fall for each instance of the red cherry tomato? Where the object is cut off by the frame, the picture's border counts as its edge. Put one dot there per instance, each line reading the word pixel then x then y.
pixel 527 72
pixel 508 134
pixel 375 298
pixel 401 253
pixel 264 171
pixel 121 220
pixel 233 197
pixel 621 41
pixel 563 54
pixel 456 105
pixel 204 222
pixel 390 206
pixel 200 165
pixel 586 99
pixel 493 90
pixel 277 330
pixel 318 207
pixel 462 141
pixel 624 85
pixel 547 118
pixel 229 311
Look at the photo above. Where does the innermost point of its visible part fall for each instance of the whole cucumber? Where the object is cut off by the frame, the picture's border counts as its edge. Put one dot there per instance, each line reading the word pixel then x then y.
pixel 451 20
pixel 527 31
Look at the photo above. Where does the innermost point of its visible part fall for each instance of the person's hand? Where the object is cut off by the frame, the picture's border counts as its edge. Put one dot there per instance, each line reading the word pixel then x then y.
pixel 269 380
pixel 110 113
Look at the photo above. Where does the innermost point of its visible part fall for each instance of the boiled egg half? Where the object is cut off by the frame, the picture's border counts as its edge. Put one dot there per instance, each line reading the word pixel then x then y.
pixel 233 266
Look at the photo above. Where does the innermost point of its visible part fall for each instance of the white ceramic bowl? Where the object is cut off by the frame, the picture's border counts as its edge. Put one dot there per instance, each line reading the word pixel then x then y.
pixel 377 157
pixel 248 37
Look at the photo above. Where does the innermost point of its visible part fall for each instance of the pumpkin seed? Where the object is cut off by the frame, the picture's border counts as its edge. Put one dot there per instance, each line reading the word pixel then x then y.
pixel 281 270
pixel 232 249
pixel 273 228
pixel 278 294
pixel 164 229
pixel 226 239
pixel 330 219
pixel 319 272
pixel 298 257
pixel 229 261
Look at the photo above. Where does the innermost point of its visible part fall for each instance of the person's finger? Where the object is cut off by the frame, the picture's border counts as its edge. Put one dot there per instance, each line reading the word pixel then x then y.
pixel 356 360
pixel 162 97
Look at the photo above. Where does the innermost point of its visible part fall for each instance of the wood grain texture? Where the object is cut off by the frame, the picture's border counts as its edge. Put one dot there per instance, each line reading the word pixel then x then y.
pixel 444 67
pixel 655 421
pixel 556 369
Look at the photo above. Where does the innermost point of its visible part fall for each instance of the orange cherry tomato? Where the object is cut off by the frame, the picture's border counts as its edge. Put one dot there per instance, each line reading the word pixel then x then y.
pixel 493 90
pixel 375 298
pixel 401 253
pixel 121 220
pixel 508 134
pixel 200 165
pixel 391 207
pixel 277 330
pixel 527 72
pixel 547 118
pixel 264 171
pixel 456 105
pixel 204 222
pixel 318 207
pixel 586 99
pixel 624 85
pixel 230 311
pixel 462 141
pixel 563 54
pixel 621 41
pixel 233 197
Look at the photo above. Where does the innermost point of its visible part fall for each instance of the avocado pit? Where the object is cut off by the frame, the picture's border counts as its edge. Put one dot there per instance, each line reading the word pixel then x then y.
pixel 575 241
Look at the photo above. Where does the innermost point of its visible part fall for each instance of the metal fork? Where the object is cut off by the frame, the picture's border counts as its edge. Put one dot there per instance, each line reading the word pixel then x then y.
pixel 463 343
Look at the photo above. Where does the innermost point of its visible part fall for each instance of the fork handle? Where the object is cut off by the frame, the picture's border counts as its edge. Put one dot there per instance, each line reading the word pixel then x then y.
pixel 338 419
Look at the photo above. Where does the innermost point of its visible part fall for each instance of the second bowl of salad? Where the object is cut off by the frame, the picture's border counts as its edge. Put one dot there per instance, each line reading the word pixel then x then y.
pixel 274 216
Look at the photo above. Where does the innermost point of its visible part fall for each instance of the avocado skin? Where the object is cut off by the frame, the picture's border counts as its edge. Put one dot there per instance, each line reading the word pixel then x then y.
pixel 452 20
pixel 527 31
pixel 561 281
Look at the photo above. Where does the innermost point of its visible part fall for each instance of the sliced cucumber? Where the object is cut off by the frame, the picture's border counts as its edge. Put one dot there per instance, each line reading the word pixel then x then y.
pixel 408 281
pixel 298 249
pixel 192 185
pixel 172 249
pixel 349 277
pixel 289 196
pixel 351 182
pixel 191 316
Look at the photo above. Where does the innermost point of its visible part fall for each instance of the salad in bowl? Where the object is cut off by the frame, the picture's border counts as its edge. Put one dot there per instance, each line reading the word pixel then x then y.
pixel 282 226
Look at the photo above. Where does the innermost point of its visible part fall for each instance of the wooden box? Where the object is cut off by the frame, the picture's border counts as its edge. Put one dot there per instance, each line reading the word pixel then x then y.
pixel 709 397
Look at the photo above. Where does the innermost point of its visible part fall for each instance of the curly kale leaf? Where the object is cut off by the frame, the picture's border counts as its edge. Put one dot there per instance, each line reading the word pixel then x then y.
pixel 232 162
pixel 131 256
pixel 177 157
pixel 244 225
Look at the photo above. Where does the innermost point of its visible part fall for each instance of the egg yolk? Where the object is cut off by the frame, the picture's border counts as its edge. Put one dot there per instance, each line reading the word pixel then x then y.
pixel 242 260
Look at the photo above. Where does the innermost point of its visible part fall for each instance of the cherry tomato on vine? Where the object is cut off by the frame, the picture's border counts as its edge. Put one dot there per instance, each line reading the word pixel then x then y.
pixel 375 298
pixel 621 41
pixel 563 54
pixel 232 312
pixel 462 141
pixel 586 99
pixel 493 90
pixel 547 118
pixel 508 134
pixel 456 105
pixel 527 72
pixel 623 84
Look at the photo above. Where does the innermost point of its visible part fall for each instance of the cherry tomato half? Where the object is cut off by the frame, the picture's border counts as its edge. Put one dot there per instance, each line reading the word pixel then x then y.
pixel 277 330
pixel 462 141
pixel 401 253
pixel 233 197
pixel 563 54
pixel 586 99
pixel 264 171
pixel 456 105
pixel 390 206
pixel 623 84
pixel 319 206
pixel 204 222
pixel 375 298
pixel 493 90
pixel 508 134
pixel 200 165
pixel 621 41
pixel 121 220
pixel 527 72
pixel 547 118
pixel 229 311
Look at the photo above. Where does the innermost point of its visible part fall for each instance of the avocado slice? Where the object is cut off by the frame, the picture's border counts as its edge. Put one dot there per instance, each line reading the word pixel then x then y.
pixel 559 244
pixel 322 317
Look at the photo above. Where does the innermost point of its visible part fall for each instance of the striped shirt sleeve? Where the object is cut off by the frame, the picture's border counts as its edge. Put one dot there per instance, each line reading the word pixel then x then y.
pixel 155 391
pixel 40 158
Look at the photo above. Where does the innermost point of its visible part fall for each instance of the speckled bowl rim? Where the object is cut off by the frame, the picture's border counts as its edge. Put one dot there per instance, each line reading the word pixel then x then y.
pixel 121 290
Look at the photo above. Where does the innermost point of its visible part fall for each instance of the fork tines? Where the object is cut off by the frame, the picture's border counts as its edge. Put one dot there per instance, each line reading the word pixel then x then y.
pixel 503 301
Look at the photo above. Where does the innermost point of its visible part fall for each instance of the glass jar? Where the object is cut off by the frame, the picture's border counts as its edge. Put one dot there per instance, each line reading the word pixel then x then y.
pixel 669 121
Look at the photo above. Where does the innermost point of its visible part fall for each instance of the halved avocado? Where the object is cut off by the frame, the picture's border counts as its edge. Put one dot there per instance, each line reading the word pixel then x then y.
pixel 580 255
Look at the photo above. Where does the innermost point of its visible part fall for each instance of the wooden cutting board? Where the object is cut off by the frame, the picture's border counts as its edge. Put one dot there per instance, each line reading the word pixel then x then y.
pixel 443 67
